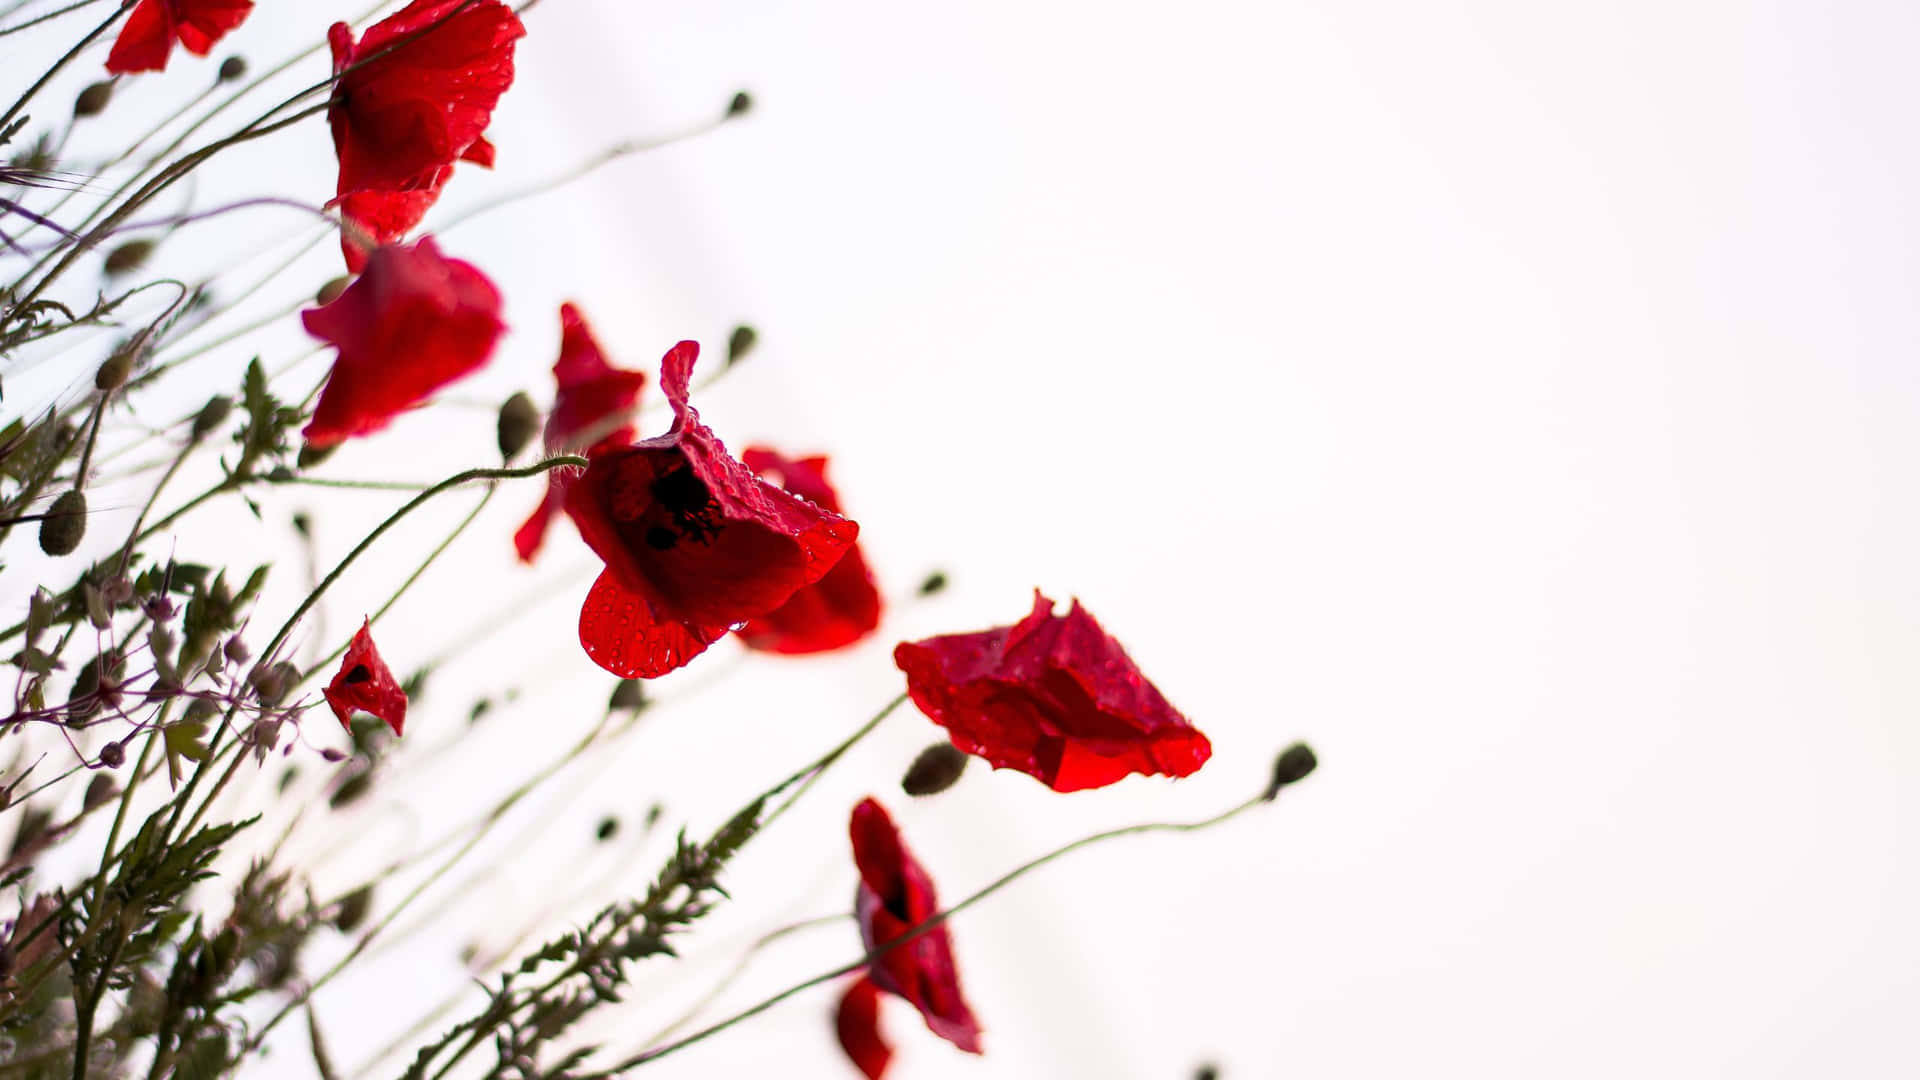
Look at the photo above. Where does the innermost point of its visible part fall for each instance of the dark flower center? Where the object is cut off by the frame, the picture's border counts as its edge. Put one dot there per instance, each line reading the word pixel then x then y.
pixel 359 674
pixel 689 505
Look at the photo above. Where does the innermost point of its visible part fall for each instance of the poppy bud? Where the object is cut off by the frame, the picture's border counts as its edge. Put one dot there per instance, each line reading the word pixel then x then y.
pixel 936 582
pixel 233 68
pixel 113 372
pixel 353 909
pixel 1293 765
pixel 236 650
pixel 113 755
pixel 628 695
pixel 311 455
pixel 1206 1072
pixel 212 415
pixel 65 523
pixel 93 100
pixel 128 257
pixel 741 104
pixel 740 343
pixel 607 829
pixel 350 789
pixel 331 290
pixel 936 769
pixel 519 421
pixel 101 788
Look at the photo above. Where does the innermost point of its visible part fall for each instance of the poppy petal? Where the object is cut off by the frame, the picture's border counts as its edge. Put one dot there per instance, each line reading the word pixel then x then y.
pixel 145 41
pixel 364 683
pixel 621 632
pixel 857 1023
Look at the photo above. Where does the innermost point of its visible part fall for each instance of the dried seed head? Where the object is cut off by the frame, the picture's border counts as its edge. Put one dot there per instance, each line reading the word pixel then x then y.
pixel 740 343
pixel 93 100
pixel 1293 765
pixel 113 755
pixel 519 421
pixel 128 257
pixel 212 415
pixel 233 68
pixel 936 769
pixel 65 524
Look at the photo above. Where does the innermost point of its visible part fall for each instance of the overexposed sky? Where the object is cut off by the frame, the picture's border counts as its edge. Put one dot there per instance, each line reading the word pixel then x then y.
pixel 1515 400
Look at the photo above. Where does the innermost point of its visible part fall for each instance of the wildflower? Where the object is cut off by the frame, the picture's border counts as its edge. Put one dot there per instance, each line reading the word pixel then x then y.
pixel 895 894
pixel 1054 697
pixel 147 39
pixel 693 541
pixel 590 409
pixel 836 611
pixel 365 684
pixel 411 323
pixel 412 97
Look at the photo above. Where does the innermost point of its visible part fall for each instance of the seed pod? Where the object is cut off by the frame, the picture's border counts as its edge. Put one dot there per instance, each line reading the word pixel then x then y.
pixel 113 371
pixel 128 257
pixel 936 769
pixel 519 420
pixel 212 415
pixel 331 290
pixel 1294 764
pixel 65 524
pixel 740 343
pixel 233 68
pixel 93 100
pixel 113 755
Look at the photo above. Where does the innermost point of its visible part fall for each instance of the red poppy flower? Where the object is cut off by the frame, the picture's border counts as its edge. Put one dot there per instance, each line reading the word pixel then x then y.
pixel 414 96
pixel 693 541
pixel 1054 697
pixel 412 322
pixel 147 39
pixel 896 894
pixel 365 684
pixel 840 608
pixel 591 408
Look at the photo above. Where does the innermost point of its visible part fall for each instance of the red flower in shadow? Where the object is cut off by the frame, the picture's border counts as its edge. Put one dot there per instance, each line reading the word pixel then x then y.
pixel 365 684
pixel 895 895
pixel 693 541
pixel 412 97
pixel 153 26
pixel 1054 697
pixel 840 608
pixel 412 322
pixel 591 408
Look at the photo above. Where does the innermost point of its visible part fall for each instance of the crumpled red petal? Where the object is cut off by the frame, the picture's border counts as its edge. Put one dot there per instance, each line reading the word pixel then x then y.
pixel 857 1023
pixel 832 613
pixel 364 683
pixel 1053 696
pixel 895 894
pixel 414 321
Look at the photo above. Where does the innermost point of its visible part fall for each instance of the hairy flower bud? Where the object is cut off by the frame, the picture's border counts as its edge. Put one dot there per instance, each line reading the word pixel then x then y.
pixel 936 769
pixel 65 524
pixel 233 69
pixel 93 100
pixel 211 416
pixel 113 371
pixel 1293 765
pixel 519 422
pixel 740 343
pixel 113 755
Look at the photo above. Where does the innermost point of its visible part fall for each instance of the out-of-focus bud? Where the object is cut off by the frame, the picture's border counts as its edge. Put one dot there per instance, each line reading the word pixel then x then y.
pixel 1206 1072
pixel 211 416
pixel 608 828
pixel 101 789
pixel 303 524
pixel 40 607
pixel 311 455
pixel 270 682
pixel 128 257
pixel 335 756
pixel 99 610
pixel 740 343
pixel 160 640
pixel 936 582
pixel 233 69
pixel 1294 764
pixel 741 105
pixel 519 422
pixel 936 769
pixel 353 909
pixel 65 524
pixel 113 371
pixel 628 696
pixel 331 290
pixel 93 100
pixel 351 789
pixel 113 755
pixel 236 650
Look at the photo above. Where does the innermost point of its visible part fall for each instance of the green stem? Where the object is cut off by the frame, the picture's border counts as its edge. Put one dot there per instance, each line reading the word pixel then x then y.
pixel 47 76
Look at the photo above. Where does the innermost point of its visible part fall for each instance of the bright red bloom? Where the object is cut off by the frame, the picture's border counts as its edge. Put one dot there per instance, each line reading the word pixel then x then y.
pixel 412 322
pixel 591 408
pixel 147 39
pixel 365 684
pixel 840 608
pixel 895 895
pixel 419 96
pixel 1054 697
pixel 693 541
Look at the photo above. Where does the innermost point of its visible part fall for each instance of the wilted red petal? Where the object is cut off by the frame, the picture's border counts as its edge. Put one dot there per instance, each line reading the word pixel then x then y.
pixel 365 684
pixel 692 537
pixel 412 322
pixel 895 894
pixel 857 1023
pixel 836 611
pixel 1054 697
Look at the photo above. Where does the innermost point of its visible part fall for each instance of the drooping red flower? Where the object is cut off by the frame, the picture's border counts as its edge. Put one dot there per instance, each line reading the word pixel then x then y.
pixel 365 684
pixel 591 408
pixel 412 322
pixel 840 608
pixel 694 542
pixel 1053 696
pixel 895 894
pixel 153 26
pixel 414 96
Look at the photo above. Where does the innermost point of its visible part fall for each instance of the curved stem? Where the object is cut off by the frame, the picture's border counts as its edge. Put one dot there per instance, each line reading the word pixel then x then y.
pixel 47 76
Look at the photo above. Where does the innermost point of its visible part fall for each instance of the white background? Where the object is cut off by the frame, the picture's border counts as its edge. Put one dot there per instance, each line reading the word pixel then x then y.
pixel 1515 400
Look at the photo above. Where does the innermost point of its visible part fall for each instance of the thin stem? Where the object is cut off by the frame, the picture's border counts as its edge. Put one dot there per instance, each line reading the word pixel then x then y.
pixel 740 968
pixel 47 76
pixel 49 16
